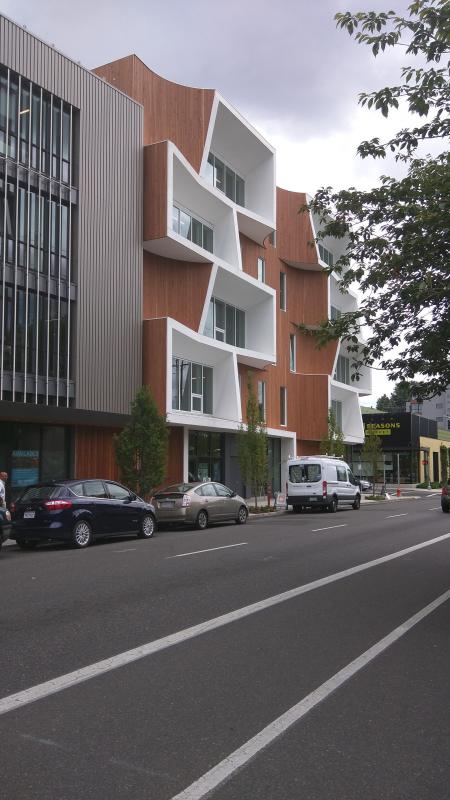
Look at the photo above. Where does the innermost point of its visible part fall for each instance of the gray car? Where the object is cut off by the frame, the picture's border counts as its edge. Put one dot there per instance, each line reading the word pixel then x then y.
pixel 199 504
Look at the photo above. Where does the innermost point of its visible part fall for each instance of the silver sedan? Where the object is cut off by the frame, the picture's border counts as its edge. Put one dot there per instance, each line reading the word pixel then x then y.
pixel 199 504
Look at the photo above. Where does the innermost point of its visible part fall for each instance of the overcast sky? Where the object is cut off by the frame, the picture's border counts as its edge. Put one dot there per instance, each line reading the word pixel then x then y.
pixel 282 63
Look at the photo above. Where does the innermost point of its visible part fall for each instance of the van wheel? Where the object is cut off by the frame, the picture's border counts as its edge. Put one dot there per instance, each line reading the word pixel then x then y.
pixel 332 507
pixel 357 504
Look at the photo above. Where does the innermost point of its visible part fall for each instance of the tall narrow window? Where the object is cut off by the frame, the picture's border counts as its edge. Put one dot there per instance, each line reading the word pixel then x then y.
pixel 262 399
pixel 283 405
pixel 292 353
pixel 261 270
pixel 283 291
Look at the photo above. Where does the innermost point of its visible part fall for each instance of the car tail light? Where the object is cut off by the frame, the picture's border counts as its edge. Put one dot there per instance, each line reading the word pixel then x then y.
pixel 57 505
pixel 324 488
pixel 445 491
pixel 12 507
pixel 186 501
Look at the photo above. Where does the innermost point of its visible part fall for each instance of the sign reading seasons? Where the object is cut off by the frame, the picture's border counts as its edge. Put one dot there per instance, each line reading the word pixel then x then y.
pixel 394 430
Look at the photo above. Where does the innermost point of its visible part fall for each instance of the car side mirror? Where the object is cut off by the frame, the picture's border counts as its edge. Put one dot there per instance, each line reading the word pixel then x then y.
pixel 233 494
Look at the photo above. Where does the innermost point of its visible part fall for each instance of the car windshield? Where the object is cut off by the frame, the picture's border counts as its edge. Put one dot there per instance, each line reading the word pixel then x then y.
pixel 304 473
pixel 179 487
pixel 39 493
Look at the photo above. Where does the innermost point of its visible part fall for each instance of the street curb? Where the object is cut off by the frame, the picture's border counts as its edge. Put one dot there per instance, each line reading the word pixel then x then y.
pixel 270 513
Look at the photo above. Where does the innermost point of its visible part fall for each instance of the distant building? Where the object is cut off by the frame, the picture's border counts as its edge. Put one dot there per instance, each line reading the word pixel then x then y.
pixel 410 446
pixel 438 408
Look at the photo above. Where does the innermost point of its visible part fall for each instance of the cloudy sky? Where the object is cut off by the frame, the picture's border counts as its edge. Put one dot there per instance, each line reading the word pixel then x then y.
pixel 282 63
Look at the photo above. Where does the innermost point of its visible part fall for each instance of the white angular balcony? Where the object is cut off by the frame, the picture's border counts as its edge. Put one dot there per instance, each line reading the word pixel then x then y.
pixel 240 165
pixel 345 403
pixel 241 312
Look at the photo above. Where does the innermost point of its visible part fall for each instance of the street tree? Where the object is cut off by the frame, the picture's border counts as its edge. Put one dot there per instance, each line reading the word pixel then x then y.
pixel 372 453
pixel 333 443
pixel 401 395
pixel 252 446
pixel 396 235
pixel 141 447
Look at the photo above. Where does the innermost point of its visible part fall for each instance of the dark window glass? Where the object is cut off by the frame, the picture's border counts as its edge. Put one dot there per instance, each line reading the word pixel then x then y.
pixel 240 191
pixel 209 174
pixel 240 328
pixel 117 492
pixel 185 386
pixel 12 115
pixel 304 473
pixel 63 337
pixel 230 183
pixel 35 127
pixel 230 324
pixel 197 232
pixel 208 238
pixel 24 121
pixel 222 491
pixel 56 138
pixel 31 332
pixel 53 337
pixel 208 490
pixel 20 330
pixel 207 390
pixel 219 174
pixel 3 106
pixel 94 489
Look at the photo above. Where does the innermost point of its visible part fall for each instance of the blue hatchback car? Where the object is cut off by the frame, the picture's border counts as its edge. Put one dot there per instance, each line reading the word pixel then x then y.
pixel 78 511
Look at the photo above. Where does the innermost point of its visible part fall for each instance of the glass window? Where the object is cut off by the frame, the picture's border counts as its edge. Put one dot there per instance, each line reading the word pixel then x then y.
pixel 78 489
pixel 185 387
pixel 222 491
pixel 54 453
pixel 185 225
pixel 24 121
pixel 94 489
pixel 335 313
pixel 209 173
pixel 292 352
pixel 283 405
pixel 220 320
pixel 230 184
pixel 342 372
pixel 261 270
pixel 208 238
pixel 283 291
pixel 304 473
pixel 208 490
pixel 197 232
pixel 207 390
pixel 262 399
pixel 240 191
pixel 219 174
pixel 230 324
pixel 336 407
pixel 117 492
pixel 341 474
pixel 240 328
pixel 209 324
pixel 175 219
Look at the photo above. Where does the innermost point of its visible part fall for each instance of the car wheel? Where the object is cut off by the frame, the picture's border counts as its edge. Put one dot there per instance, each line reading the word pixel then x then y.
pixel 242 516
pixel 202 520
pixel 332 506
pixel 357 504
pixel 26 544
pixel 148 527
pixel 82 534
pixel 445 509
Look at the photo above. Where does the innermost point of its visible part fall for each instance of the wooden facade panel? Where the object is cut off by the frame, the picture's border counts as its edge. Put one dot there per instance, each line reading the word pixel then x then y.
pixel 171 111
pixel 175 456
pixel 154 359
pixel 95 454
pixel 175 289
pixel 155 191
pixel 294 231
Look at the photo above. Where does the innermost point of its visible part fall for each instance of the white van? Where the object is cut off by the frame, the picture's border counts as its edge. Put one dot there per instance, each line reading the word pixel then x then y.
pixel 321 481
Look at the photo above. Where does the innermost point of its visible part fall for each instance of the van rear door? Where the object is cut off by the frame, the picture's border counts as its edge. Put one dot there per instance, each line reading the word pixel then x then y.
pixel 305 481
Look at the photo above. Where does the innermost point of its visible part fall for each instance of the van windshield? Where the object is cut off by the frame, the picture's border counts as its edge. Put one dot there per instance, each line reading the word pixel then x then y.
pixel 304 473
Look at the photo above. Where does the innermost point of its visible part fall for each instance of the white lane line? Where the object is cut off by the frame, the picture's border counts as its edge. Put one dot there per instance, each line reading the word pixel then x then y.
pixel 216 776
pixel 431 495
pixel 435 508
pixel 391 516
pixel 211 550
pixel 330 527
pixel 128 550
pixel 40 690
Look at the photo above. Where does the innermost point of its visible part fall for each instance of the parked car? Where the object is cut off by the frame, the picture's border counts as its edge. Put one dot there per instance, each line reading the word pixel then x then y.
pixel 5 525
pixel 445 497
pixel 78 511
pixel 321 482
pixel 363 484
pixel 199 504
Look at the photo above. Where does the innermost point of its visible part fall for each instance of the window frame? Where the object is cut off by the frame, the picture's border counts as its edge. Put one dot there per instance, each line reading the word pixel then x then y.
pixel 292 352
pixel 261 266
pixel 283 291
pixel 283 406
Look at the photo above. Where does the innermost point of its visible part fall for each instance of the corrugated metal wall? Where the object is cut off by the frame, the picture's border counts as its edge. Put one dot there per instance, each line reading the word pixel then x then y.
pixel 109 270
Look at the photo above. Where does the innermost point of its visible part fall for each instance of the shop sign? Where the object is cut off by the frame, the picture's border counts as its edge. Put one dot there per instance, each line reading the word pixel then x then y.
pixel 24 467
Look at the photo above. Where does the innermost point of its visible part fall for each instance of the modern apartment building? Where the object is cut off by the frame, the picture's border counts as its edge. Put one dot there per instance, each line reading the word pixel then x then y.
pixel 70 260
pixel 143 240
pixel 437 408
pixel 229 272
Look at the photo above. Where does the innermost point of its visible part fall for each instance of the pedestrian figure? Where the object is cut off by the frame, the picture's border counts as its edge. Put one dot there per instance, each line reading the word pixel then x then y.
pixel 3 479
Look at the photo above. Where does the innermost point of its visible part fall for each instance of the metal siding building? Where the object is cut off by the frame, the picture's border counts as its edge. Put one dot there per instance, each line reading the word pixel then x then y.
pixel 107 239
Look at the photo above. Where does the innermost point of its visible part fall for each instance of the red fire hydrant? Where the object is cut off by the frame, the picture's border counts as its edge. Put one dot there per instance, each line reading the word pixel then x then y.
pixel 398 491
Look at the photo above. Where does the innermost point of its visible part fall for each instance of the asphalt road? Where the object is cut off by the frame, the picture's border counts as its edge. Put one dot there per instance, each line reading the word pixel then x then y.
pixel 299 657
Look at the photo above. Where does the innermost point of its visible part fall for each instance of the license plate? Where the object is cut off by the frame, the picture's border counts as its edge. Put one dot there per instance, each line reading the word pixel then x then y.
pixel 29 514
pixel 166 503
pixel 312 499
